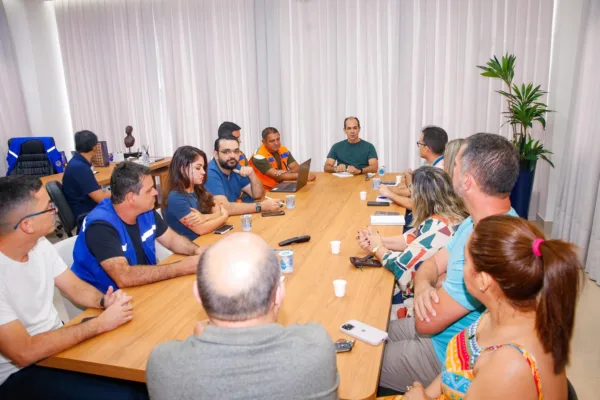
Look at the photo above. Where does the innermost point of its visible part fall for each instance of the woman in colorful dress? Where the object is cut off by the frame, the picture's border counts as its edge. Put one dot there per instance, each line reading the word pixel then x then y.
pixel 437 212
pixel 519 347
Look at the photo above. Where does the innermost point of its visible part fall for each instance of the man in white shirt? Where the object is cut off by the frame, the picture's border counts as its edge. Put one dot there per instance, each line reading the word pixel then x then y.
pixel 30 329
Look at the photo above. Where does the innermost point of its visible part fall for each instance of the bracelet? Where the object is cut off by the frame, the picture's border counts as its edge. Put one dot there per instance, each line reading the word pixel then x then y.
pixel 361 170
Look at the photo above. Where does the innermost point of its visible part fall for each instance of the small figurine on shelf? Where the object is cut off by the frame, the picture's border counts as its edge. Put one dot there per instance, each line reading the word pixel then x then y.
pixel 129 139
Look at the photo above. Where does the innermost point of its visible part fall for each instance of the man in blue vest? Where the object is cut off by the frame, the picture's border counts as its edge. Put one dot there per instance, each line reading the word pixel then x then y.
pixel 80 187
pixel 116 244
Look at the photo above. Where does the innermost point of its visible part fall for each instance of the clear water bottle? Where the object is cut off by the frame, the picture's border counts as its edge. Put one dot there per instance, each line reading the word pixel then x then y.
pixel 381 170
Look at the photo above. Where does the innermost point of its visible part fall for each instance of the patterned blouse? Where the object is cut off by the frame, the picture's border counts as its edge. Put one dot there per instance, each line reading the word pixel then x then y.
pixel 422 243
pixel 461 355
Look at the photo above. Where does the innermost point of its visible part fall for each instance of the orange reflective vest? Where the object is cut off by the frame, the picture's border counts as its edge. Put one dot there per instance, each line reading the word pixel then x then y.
pixel 267 181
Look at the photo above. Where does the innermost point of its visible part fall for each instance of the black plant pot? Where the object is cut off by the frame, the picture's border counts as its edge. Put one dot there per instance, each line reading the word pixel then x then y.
pixel 521 193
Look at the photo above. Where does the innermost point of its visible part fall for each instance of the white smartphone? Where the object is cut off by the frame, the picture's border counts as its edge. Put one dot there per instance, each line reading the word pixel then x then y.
pixel 364 332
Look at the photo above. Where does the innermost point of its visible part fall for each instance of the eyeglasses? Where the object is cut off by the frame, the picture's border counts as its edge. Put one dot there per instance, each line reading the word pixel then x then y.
pixel 419 144
pixel 228 152
pixel 52 208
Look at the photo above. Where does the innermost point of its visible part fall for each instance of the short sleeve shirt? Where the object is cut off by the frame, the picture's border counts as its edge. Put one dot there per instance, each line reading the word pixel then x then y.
pixel 179 205
pixel 27 293
pixel 220 184
pixel 355 154
pixel 78 182
pixel 455 286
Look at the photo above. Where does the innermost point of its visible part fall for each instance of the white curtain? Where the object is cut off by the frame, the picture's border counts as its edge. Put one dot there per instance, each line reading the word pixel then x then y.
pixel 112 71
pixel 577 216
pixel 13 114
pixel 176 69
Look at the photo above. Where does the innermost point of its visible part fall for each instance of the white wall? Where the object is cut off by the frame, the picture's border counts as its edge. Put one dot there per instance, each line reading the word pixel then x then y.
pixel 33 28
pixel 568 18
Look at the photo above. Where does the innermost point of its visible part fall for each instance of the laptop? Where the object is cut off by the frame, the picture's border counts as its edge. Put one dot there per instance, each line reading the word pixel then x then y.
pixel 292 187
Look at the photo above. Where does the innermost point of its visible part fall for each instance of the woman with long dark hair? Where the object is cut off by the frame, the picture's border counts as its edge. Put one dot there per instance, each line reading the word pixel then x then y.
pixel 190 209
pixel 519 347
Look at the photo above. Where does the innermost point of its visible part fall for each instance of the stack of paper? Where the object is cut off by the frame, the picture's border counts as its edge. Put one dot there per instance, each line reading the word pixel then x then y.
pixel 387 220
pixel 342 174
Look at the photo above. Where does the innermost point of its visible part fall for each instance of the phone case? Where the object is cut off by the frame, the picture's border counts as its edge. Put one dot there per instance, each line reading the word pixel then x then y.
pixel 378 203
pixel 368 261
pixel 364 332
pixel 223 229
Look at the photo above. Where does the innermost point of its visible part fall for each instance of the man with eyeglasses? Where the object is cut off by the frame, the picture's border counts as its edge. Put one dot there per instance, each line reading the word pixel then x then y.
pixel 30 328
pixel 227 180
pixel 432 144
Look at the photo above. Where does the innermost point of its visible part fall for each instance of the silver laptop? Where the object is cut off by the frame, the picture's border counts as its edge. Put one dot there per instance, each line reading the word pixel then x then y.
pixel 291 187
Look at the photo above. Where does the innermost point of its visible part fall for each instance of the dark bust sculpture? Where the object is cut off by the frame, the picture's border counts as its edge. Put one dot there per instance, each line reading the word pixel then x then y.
pixel 129 139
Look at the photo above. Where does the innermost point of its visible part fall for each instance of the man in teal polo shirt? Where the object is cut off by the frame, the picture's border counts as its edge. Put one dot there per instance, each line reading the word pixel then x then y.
pixel 352 155
pixel 487 167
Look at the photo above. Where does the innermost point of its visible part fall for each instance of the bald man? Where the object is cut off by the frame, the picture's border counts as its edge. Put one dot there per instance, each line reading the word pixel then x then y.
pixel 241 351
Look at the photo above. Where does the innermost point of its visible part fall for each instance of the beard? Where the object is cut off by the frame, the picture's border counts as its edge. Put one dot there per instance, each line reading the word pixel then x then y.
pixel 228 164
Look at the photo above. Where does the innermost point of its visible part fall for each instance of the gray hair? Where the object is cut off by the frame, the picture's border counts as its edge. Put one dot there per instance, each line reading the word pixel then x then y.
pixel 252 302
pixel 433 194
pixel 452 149
pixel 493 162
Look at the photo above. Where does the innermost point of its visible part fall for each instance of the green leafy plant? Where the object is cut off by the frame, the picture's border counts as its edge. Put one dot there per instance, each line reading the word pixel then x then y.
pixel 524 107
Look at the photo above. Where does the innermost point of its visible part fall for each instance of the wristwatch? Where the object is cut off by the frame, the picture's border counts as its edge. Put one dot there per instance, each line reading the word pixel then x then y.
pixel 102 302
pixel 258 207
pixel 361 170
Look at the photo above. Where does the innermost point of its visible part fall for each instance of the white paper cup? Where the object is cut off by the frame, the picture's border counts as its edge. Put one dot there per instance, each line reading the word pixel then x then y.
pixel 363 195
pixel 339 287
pixel 398 180
pixel 335 246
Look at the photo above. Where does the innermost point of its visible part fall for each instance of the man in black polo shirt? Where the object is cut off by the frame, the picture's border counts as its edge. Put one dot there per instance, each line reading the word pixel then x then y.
pixel 80 187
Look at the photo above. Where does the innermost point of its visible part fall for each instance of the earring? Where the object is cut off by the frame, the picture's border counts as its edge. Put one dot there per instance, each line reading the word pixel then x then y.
pixel 481 288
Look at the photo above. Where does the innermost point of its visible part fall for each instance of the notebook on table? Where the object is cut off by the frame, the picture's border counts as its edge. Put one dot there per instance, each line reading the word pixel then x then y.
pixel 291 187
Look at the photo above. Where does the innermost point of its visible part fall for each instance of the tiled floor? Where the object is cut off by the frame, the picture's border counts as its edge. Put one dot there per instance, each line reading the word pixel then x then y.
pixel 584 369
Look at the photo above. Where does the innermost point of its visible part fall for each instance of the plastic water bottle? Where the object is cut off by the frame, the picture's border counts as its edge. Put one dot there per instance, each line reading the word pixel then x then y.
pixel 381 170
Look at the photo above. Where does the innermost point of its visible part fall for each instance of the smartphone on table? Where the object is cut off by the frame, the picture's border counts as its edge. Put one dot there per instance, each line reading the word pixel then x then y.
pixel 223 229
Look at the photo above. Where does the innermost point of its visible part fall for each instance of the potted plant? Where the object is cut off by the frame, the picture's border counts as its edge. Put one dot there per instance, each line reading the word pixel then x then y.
pixel 524 108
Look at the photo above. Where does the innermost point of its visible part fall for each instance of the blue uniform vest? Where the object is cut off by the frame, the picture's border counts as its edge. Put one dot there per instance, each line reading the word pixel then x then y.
pixel 15 149
pixel 85 265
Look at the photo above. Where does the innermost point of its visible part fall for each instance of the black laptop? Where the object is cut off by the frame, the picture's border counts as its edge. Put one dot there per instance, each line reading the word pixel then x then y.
pixel 292 187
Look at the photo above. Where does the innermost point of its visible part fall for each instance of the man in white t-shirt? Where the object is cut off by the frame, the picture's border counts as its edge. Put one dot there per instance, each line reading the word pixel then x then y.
pixel 432 144
pixel 30 329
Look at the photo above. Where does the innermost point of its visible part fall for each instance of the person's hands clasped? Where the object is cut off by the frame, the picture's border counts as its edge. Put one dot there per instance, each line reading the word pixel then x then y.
pixel 416 392
pixel 111 296
pixel 384 190
pixel 119 312
pixel 424 295
pixel 244 171
pixel 340 168
pixel 362 238
pixel 353 170
pixel 270 205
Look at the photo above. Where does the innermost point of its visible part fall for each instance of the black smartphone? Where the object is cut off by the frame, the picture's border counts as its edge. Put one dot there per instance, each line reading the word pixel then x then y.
pixel 273 214
pixel 343 345
pixel 378 203
pixel 223 229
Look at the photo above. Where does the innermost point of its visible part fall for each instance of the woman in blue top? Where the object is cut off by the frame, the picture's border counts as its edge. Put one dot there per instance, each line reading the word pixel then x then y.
pixel 190 209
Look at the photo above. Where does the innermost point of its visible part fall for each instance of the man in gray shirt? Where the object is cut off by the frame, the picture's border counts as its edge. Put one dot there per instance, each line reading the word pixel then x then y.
pixel 241 351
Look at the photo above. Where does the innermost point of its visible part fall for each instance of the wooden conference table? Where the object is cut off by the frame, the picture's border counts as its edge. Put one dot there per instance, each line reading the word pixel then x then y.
pixel 327 209
pixel 159 169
